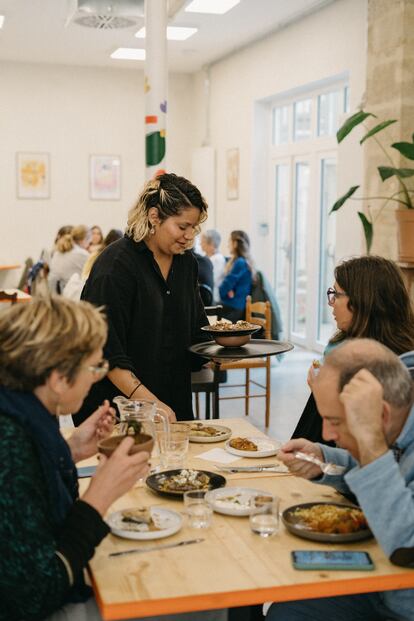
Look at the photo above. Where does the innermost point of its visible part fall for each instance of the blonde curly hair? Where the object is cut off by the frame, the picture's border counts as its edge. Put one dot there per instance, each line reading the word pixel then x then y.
pixel 170 194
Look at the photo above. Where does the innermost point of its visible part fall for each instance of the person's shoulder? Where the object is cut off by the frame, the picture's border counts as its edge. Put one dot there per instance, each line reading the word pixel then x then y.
pixel 14 439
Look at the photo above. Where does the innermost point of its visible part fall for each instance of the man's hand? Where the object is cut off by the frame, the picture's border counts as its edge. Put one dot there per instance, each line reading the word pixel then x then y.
pixel 363 401
pixel 298 467
pixel 83 442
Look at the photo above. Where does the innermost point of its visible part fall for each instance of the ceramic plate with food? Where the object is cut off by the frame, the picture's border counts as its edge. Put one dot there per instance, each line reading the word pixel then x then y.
pixel 326 521
pixel 238 501
pixel 144 523
pixel 176 482
pixel 199 432
pixel 251 446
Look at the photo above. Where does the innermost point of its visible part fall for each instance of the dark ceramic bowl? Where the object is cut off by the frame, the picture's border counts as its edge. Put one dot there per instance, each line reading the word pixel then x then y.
pixel 231 338
pixel 142 442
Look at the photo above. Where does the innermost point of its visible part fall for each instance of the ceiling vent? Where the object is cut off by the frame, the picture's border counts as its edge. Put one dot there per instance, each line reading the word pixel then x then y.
pixel 106 14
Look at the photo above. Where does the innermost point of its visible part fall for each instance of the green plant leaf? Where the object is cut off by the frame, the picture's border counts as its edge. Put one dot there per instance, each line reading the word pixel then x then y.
pixel 352 122
pixel 344 198
pixel 387 171
pixel 368 230
pixel 376 129
pixel 405 148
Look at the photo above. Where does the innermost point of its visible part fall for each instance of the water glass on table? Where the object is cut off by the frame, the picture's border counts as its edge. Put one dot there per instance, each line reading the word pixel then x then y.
pixel 198 510
pixel 173 445
pixel 264 516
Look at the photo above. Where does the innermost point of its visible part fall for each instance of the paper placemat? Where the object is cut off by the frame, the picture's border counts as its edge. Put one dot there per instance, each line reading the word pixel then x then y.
pixel 218 455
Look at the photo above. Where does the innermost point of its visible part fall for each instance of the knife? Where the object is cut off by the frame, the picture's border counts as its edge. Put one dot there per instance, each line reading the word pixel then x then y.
pixel 152 548
pixel 262 468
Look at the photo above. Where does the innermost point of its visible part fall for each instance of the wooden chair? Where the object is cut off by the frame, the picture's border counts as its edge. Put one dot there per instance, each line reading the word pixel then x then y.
pixel 259 313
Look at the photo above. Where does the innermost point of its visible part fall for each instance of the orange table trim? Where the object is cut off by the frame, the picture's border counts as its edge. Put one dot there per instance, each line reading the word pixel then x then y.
pixel 112 612
pixel 9 267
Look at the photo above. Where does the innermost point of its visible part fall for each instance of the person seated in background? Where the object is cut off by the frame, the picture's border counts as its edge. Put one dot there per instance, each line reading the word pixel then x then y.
pixel 96 239
pixel 69 257
pixel 365 396
pixel 238 277
pixel 210 244
pixel 50 355
pixel 205 278
pixel 368 300
pixel 111 237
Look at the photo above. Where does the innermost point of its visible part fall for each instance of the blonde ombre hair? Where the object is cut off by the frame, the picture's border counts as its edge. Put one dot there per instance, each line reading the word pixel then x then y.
pixel 170 194
pixel 47 334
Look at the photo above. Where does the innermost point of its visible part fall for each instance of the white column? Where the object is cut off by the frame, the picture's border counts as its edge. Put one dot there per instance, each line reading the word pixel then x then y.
pixel 155 86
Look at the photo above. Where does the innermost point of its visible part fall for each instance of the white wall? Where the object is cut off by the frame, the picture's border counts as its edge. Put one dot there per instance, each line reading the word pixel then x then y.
pixel 71 113
pixel 327 43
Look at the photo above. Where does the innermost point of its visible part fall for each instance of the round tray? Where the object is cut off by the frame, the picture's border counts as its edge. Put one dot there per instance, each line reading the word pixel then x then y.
pixel 255 348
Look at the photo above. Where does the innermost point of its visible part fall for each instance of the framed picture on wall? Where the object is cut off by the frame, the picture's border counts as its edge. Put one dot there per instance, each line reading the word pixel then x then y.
pixel 105 177
pixel 232 172
pixel 33 175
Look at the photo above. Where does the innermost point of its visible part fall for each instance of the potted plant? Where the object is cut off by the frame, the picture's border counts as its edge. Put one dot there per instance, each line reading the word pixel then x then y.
pixel 402 195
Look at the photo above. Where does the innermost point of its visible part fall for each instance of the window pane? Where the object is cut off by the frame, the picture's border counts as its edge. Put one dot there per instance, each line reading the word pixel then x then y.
pixel 326 325
pixel 302 119
pixel 283 246
pixel 329 109
pixel 346 99
pixel 300 246
pixel 281 125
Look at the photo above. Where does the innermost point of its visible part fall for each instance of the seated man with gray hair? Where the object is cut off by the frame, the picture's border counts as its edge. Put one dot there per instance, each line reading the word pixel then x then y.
pixel 364 394
pixel 210 244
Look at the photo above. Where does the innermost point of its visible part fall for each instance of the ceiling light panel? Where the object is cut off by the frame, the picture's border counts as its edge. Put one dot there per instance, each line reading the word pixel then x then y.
pixel 174 33
pixel 218 7
pixel 128 53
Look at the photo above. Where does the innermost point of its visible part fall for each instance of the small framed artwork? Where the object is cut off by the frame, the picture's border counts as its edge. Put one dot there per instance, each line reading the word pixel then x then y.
pixel 105 177
pixel 33 175
pixel 232 171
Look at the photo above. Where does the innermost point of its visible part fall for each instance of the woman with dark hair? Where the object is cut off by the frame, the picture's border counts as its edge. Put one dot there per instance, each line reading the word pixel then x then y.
pixel 239 276
pixel 147 282
pixel 368 300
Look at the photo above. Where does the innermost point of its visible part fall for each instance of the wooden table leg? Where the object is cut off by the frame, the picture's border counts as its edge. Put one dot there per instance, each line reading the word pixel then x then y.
pixel 216 381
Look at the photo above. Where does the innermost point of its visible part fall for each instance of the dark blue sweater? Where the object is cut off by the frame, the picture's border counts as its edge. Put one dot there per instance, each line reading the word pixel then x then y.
pixel 238 280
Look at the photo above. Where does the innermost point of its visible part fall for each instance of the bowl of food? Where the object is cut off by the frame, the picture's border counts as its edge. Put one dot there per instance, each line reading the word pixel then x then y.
pixel 142 442
pixel 229 334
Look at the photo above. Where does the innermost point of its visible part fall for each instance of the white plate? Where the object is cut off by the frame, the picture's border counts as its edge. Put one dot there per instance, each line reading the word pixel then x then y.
pixel 226 433
pixel 233 500
pixel 169 522
pixel 265 447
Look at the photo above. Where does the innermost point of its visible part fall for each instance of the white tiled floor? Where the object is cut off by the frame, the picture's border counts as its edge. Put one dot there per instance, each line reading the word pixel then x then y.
pixel 289 394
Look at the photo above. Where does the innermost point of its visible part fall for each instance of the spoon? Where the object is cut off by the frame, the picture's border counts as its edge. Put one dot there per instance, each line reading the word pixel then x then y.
pixel 327 468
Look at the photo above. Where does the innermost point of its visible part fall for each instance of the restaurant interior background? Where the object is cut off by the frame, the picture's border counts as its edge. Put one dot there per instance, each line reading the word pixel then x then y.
pixel 262 87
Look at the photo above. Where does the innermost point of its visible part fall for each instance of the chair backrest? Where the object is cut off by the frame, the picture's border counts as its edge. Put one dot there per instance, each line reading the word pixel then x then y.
pixel 206 294
pixel 260 313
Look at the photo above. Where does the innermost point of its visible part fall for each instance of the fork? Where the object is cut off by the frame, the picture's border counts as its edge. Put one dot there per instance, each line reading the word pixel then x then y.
pixel 326 467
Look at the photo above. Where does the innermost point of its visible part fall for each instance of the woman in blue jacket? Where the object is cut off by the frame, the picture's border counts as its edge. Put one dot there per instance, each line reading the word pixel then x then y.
pixel 239 277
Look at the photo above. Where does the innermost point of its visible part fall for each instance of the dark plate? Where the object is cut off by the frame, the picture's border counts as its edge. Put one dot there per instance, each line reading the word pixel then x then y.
pixel 216 480
pixel 296 527
pixel 224 333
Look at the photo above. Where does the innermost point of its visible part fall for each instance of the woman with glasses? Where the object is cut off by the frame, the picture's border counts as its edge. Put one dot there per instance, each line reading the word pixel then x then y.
pixel 50 356
pixel 148 283
pixel 368 300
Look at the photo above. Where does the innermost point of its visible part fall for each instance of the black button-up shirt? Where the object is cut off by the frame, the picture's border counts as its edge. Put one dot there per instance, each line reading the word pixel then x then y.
pixel 152 322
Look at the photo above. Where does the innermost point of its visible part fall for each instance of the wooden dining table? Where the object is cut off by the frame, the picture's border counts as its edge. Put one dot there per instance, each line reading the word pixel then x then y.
pixel 232 566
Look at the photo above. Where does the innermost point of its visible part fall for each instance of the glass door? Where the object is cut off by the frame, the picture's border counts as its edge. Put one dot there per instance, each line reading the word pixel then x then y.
pixel 283 243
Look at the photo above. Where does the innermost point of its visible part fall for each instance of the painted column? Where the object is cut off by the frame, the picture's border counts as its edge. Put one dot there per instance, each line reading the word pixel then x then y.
pixel 155 86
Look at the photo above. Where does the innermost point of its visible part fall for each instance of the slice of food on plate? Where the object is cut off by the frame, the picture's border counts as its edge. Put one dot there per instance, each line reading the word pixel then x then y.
pixel 243 444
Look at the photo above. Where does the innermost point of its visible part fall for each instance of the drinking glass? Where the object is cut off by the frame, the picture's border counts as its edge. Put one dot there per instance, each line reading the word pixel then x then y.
pixel 264 516
pixel 198 510
pixel 173 444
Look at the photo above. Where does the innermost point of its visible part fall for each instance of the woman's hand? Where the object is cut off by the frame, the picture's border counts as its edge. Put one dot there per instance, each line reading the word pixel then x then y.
pixel 299 467
pixel 83 442
pixel 115 476
pixel 230 294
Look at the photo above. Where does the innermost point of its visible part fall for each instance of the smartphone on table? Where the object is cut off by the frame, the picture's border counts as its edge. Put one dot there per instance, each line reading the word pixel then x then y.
pixel 86 471
pixel 333 559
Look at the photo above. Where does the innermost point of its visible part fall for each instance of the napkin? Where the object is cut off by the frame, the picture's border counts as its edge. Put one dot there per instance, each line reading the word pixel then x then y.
pixel 218 455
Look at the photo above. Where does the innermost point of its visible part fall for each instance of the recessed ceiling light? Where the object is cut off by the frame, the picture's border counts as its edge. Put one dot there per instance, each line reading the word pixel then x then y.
pixel 211 6
pixel 128 53
pixel 1 21
pixel 174 33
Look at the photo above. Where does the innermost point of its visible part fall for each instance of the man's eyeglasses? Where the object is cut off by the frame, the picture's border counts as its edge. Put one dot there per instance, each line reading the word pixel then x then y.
pixel 98 370
pixel 333 295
